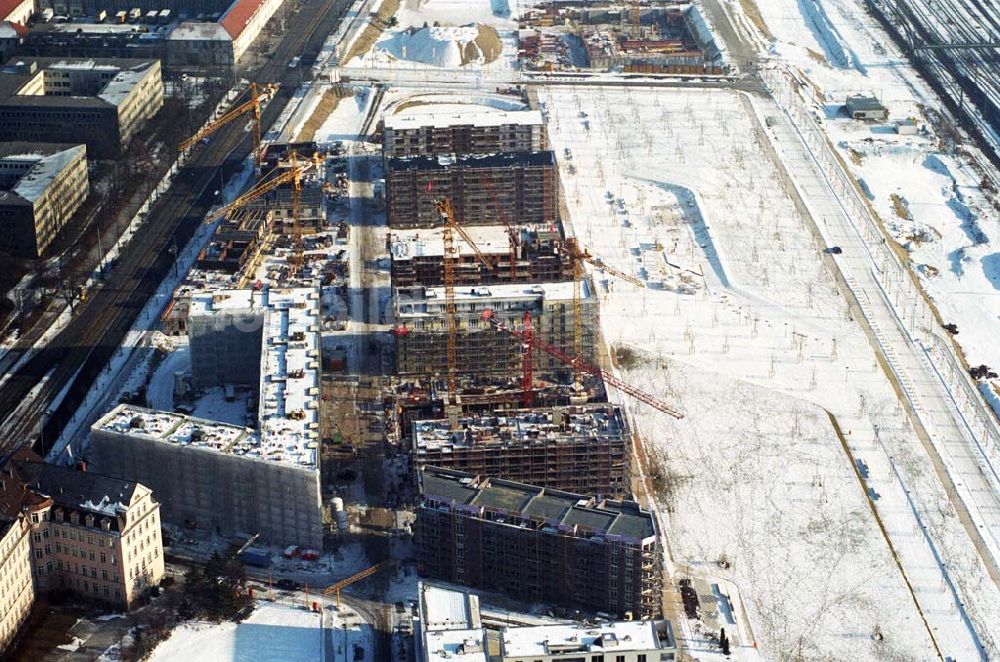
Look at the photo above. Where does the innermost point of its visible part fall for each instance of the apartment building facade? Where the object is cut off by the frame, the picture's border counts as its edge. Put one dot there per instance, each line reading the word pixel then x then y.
pixel 482 350
pixel 98 549
pixel 483 132
pixel 581 448
pixel 90 534
pixel 521 185
pixel 537 256
pixel 538 545
pixel 100 102
pixel 41 187
pixel 17 591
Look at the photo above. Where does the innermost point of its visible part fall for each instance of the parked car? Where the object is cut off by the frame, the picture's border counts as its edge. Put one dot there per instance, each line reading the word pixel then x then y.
pixel 288 585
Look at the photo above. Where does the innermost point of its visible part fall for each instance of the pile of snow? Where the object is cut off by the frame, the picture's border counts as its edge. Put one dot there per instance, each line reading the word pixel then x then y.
pixel 437 46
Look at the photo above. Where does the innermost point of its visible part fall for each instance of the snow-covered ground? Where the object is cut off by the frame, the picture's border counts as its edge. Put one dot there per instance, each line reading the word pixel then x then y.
pixel 443 33
pixel 759 474
pixel 926 193
pixel 278 632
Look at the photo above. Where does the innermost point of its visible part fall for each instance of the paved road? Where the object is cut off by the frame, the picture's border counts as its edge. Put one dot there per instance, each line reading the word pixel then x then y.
pixel 78 353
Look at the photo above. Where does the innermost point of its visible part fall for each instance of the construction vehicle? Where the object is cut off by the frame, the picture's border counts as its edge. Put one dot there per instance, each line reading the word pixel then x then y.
pixel 527 337
pixel 335 589
pixel 257 97
pixel 293 174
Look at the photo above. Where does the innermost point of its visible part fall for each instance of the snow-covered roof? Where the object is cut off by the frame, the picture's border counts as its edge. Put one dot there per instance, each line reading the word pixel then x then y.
pixel 450 625
pixel 199 31
pixel 183 430
pixel 608 638
pixel 447 609
pixel 207 302
pixel 424 300
pixel 290 369
pixel 521 427
pixel 289 389
pixel 473 115
pixel 119 87
pixel 42 165
pixel 407 244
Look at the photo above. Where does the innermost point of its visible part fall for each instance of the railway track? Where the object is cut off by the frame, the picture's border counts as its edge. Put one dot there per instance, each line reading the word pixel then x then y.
pixel 967 80
pixel 66 367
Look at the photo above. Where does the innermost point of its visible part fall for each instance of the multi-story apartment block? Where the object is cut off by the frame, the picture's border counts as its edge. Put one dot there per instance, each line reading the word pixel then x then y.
pixel 539 545
pixel 226 328
pixel 231 478
pixel 581 449
pixel 101 102
pixel 41 187
pixel 17 591
pixel 481 349
pixel 414 133
pixel 538 256
pixel 521 184
pixel 92 535
pixel 449 628
pixel 219 477
pixel 618 641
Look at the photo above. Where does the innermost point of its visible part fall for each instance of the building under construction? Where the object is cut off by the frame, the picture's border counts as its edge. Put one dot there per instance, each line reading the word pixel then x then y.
pixel 236 243
pixel 581 449
pixel 538 544
pixel 521 184
pixel 442 133
pixel 480 349
pixel 521 254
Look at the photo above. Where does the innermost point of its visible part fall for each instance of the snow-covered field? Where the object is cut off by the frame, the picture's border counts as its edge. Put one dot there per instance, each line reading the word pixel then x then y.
pixel 759 475
pixel 273 632
pixel 926 193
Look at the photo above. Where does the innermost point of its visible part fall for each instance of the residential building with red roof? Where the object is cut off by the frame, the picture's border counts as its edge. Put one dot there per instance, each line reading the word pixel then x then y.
pixel 16 11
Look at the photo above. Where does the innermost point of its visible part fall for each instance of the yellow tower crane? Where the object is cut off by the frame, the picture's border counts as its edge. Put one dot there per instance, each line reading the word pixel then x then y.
pixel 293 174
pixel 344 583
pixel 258 95
pixel 579 254
pixel 451 226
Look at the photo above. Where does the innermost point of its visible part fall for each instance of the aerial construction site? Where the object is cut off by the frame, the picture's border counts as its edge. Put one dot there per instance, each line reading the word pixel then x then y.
pixel 493 331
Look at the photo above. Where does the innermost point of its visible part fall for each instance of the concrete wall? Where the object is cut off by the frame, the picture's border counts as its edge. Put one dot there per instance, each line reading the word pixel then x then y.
pixel 225 348
pixel 226 494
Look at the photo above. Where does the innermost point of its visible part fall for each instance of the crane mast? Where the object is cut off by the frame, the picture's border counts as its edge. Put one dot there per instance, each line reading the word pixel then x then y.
pixel 257 97
pixel 578 363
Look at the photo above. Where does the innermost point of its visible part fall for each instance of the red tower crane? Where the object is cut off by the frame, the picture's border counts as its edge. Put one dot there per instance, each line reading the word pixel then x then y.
pixel 527 336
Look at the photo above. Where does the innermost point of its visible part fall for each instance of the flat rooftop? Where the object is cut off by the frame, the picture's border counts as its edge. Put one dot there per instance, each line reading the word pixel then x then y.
pixel 566 513
pixel 420 300
pixel 606 638
pixel 16 73
pixel 38 164
pixel 290 367
pixel 486 116
pixel 289 384
pixel 290 355
pixel 522 427
pixel 411 243
pixel 184 430
pixel 472 161
pixel 491 240
pixel 451 628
